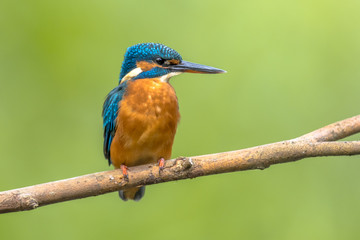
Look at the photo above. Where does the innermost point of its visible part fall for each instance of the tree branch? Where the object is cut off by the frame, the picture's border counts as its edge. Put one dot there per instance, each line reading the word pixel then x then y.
pixel 314 144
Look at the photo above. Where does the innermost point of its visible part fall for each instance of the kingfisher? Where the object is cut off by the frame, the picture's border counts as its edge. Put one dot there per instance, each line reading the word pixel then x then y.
pixel 141 114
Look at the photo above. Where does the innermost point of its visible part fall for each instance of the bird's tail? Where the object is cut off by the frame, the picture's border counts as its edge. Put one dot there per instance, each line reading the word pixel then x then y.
pixel 132 193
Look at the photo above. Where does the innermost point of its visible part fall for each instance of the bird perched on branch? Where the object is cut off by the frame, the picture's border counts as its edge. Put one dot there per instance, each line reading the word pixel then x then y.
pixel 141 114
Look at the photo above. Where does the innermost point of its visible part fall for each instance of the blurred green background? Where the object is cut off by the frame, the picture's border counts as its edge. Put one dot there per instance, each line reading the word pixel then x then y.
pixel 293 66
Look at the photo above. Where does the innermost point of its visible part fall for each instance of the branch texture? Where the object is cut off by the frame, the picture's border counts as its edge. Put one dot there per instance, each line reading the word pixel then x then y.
pixel 314 144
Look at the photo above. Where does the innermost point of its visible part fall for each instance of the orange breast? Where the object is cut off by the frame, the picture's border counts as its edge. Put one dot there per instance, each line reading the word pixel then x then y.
pixel 146 123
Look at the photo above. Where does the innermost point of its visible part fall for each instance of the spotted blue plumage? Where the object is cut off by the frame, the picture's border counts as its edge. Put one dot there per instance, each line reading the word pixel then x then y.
pixel 146 52
pixel 138 52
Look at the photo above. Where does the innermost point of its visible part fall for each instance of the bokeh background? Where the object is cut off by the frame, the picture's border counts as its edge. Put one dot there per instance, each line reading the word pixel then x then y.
pixel 293 66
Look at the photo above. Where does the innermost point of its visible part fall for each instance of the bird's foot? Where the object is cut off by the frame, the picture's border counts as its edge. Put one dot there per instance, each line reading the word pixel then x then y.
pixel 124 170
pixel 161 163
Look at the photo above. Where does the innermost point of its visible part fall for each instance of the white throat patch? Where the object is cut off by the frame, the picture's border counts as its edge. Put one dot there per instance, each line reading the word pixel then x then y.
pixel 167 77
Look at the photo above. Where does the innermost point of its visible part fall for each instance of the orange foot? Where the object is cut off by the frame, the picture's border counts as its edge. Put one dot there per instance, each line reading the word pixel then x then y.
pixel 161 163
pixel 125 171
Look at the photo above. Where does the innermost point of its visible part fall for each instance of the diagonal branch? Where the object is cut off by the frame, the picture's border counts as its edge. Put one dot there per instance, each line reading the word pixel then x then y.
pixel 335 131
pixel 314 144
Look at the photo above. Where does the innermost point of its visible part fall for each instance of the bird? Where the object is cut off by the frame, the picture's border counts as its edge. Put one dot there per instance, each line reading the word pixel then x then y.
pixel 141 114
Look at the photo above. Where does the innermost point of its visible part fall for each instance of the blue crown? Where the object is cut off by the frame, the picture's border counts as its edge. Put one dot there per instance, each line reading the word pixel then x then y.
pixel 146 52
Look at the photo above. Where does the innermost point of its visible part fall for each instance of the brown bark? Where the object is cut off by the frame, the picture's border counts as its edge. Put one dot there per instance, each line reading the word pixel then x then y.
pixel 315 144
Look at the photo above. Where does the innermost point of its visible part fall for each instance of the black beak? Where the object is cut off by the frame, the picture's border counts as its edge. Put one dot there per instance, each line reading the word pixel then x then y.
pixel 190 67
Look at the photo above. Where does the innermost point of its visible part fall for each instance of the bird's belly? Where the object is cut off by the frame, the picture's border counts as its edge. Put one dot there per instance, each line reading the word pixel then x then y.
pixel 149 146
pixel 146 127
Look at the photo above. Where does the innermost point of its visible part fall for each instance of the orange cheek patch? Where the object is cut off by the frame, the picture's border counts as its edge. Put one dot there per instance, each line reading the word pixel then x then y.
pixel 146 66
pixel 174 61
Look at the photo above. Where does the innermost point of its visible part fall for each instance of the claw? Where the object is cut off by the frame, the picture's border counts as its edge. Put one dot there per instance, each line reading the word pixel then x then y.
pixel 161 163
pixel 124 169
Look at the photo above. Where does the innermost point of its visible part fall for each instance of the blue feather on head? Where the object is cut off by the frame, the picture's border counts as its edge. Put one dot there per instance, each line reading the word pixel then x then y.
pixel 147 52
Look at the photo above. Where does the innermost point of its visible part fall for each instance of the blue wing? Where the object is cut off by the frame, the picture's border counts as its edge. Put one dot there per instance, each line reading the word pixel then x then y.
pixel 109 113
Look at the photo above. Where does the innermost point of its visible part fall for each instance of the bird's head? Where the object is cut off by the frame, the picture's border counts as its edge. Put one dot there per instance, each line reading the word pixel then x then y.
pixel 154 60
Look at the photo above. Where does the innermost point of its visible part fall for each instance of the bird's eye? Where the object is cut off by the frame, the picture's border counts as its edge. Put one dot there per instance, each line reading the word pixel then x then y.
pixel 160 61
